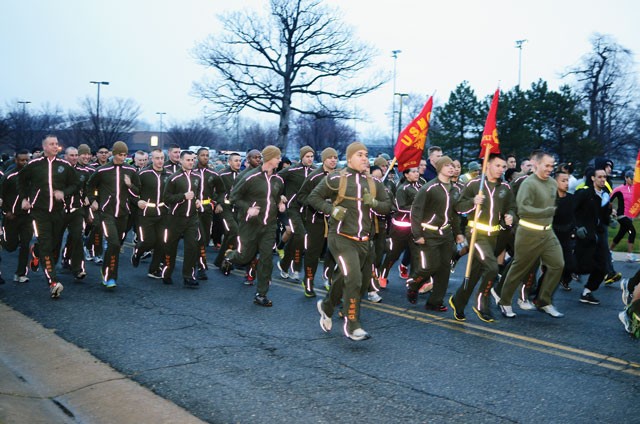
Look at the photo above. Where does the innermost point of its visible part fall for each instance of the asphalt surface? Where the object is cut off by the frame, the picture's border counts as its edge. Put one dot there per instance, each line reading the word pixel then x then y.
pixel 224 359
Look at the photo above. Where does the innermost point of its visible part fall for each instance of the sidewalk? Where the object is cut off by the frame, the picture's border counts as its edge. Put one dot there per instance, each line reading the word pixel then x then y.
pixel 44 379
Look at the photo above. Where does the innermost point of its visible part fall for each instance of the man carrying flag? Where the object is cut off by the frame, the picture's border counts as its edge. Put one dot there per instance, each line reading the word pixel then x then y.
pixel 492 201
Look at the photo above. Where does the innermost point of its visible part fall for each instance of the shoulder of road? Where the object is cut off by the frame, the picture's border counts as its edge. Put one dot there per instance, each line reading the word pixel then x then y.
pixel 45 379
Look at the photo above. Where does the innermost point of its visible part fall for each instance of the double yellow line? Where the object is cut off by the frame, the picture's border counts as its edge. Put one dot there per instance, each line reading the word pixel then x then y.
pixel 487 332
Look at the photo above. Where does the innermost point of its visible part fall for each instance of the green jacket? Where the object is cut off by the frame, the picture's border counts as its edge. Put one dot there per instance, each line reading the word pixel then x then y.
pixel 107 187
pixel 258 188
pixel 358 221
pixel 41 177
pixel 178 184
pixel 498 202
pixel 152 184
pixel 224 183
pixel 434 205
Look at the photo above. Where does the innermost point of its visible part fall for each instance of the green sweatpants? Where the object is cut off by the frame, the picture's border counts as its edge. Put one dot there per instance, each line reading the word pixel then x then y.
pixel 484 265
pixel 256 238
pixel 351 278
pixel 529 246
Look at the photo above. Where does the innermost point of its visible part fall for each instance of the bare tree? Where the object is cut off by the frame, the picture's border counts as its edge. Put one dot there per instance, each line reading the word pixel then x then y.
pixel 117 119
pixel 194 133
pixel 607 84
pixel 322 132
pixel 302 50
pixel 25 130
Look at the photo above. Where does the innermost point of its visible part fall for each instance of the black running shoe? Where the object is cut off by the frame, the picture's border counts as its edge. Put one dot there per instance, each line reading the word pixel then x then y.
pixel 135 259
pixel 485 316
pixel 589 298
pixel 262 301
pixel 191 283
pixel 226 266
pixel 459 316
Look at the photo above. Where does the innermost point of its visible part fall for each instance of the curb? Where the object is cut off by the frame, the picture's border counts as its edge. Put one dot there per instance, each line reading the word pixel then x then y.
pixel 45 379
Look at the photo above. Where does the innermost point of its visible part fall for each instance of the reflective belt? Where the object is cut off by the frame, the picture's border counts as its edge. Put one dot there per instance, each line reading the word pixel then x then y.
pixel 365 238
pixel 206 201
pixel 153 205
pixel 400 223
pixel 433 227
pixel 484 227
pixel 533 226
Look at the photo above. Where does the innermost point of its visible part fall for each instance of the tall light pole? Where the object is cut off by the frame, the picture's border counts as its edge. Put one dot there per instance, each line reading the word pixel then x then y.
pixel 394 55
pixel 401 95
pixel 519 44
pixel 24 104
pixel 160 114
pixel 98 83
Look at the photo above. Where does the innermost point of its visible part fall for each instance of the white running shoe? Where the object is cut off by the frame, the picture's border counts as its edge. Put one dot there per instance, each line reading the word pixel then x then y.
pixel 551 310
pixel 526 305
pixel 325 320
pixel 358 334
pixel 507 311
pixel 624 319
pixel 624 286
pixel 282 273
pixel 55 289
pixel 374 297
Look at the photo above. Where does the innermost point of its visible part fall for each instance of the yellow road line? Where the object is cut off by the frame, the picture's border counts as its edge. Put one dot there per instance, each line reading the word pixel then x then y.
pixel 507 337
pixel 514 339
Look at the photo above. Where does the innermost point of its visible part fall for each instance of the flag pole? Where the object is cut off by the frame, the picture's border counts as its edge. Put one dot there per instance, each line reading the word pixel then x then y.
pixel 472 242
pixel 391 165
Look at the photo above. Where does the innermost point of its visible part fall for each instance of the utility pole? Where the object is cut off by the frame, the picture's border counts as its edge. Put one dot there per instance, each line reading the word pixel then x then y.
pixel 160 114
pixel 519 44
pixel 401 95
pixel 23 125
pixel 394 55
pixel 98 83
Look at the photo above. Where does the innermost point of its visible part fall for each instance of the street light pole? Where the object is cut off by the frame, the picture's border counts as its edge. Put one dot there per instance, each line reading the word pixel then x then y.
pixel 401 95
pixel 160 114
pixel 519 44
pixel 24 104
pixel 394 55
pixel 98 83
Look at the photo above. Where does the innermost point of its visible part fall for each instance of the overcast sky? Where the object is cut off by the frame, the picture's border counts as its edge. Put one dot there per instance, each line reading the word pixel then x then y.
pixel 50 50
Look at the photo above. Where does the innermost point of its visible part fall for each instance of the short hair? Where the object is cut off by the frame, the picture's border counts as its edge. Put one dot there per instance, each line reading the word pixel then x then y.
pixel 66 151
pixel 201 149
pixel 173 146
pixel 141 153
pixel 434 149
pixel 510 155
pixel 493 156
pixel 233 154
pixel 22 152
pixel 157 150
pixel 537 155
pixel 186 152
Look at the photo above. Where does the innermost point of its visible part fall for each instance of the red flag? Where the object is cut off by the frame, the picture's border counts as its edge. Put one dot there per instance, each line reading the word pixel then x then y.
pixel 635 202
pixel 411 140
pixel 490 133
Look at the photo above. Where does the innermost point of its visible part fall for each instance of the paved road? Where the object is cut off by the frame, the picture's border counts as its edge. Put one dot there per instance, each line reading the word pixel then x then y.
pixel 224 359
